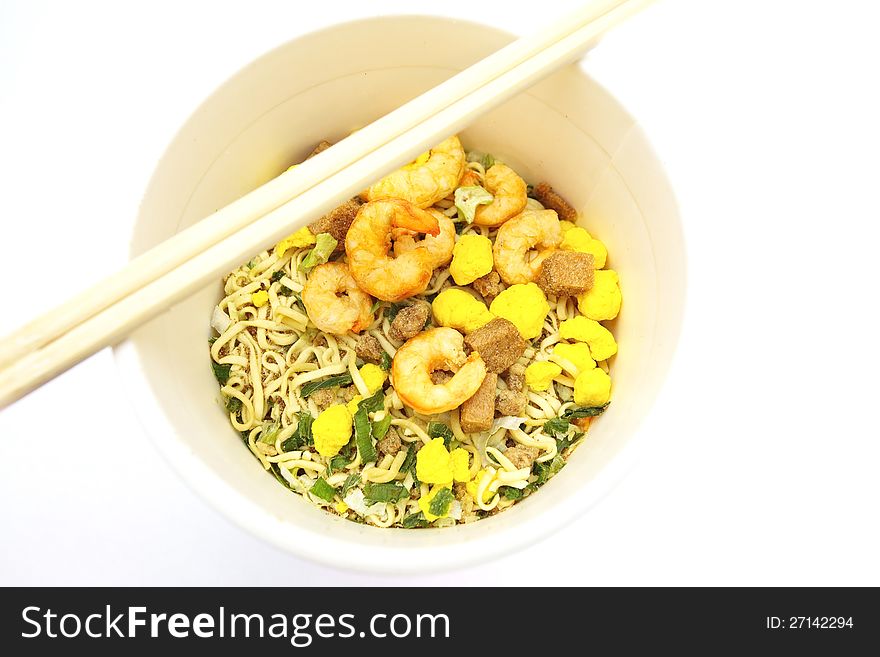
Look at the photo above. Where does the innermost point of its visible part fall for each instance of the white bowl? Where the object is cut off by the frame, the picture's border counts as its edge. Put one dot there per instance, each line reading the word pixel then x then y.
pixel 566 130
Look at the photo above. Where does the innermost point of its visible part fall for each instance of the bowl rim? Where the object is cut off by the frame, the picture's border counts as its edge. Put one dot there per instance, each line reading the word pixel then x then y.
pixel 327 549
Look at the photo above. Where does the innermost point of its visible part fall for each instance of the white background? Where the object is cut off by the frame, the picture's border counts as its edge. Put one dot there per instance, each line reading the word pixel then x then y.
pixel 764 450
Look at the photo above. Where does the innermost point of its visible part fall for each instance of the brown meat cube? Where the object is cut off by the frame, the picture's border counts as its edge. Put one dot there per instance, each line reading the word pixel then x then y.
pixel 349 393
pixel 439 377
pixel 390 444
pixel 477 413
pixel 515 377
pixel 509 402
pixel 488 286
pixel 566 273
pixel 409 321
pixel 369 349
pixel 498 342
pixel 337 221
pixel 320 148
pixel 323 398
pixel 544 193
pixel 522 456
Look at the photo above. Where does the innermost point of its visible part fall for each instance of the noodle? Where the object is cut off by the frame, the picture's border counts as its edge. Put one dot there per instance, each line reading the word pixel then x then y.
pixel 267 349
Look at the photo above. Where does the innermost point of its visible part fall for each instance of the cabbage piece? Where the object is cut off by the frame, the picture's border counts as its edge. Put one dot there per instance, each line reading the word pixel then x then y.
pixel 486 159
pixel 293 483
pixel 356 502
pixel 269 433
pixel 508 422
pixel 305 481
pixel 468 198
pixel 220 320
pixel 325 243
pixel 408 481
pixel 481 442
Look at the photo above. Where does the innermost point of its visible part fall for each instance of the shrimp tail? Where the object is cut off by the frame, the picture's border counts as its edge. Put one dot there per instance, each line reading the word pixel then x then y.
pixel 413 218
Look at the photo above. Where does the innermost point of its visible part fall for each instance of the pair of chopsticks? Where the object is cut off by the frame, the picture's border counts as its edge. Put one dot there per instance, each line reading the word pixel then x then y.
pixel 214 246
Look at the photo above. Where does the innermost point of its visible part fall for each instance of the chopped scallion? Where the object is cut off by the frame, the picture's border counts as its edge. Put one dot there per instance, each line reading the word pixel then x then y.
pixel 584 411
pixel 389 492
pixel 330 382
pixel 221 372
pixel 440 503
pixel 323 490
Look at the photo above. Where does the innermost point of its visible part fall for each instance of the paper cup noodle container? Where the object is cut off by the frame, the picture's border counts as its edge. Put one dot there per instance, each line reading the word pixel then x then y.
pixel 566 130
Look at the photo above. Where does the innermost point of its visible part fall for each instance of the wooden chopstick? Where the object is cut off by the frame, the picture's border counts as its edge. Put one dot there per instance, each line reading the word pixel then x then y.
pixel 266 215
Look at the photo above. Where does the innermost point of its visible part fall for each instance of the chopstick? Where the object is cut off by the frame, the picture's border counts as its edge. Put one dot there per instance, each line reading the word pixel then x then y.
pixel 212 247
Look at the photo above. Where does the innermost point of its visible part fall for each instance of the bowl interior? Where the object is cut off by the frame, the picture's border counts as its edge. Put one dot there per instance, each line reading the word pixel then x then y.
pixel 566 130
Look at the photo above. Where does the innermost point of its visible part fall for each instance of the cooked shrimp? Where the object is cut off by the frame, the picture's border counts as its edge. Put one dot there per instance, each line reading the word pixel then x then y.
pixel 523 243
pixel 509 192
pixel 436 349
pixel 333 300
pixel 423 183
pixel 440 246
pixel 369 240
